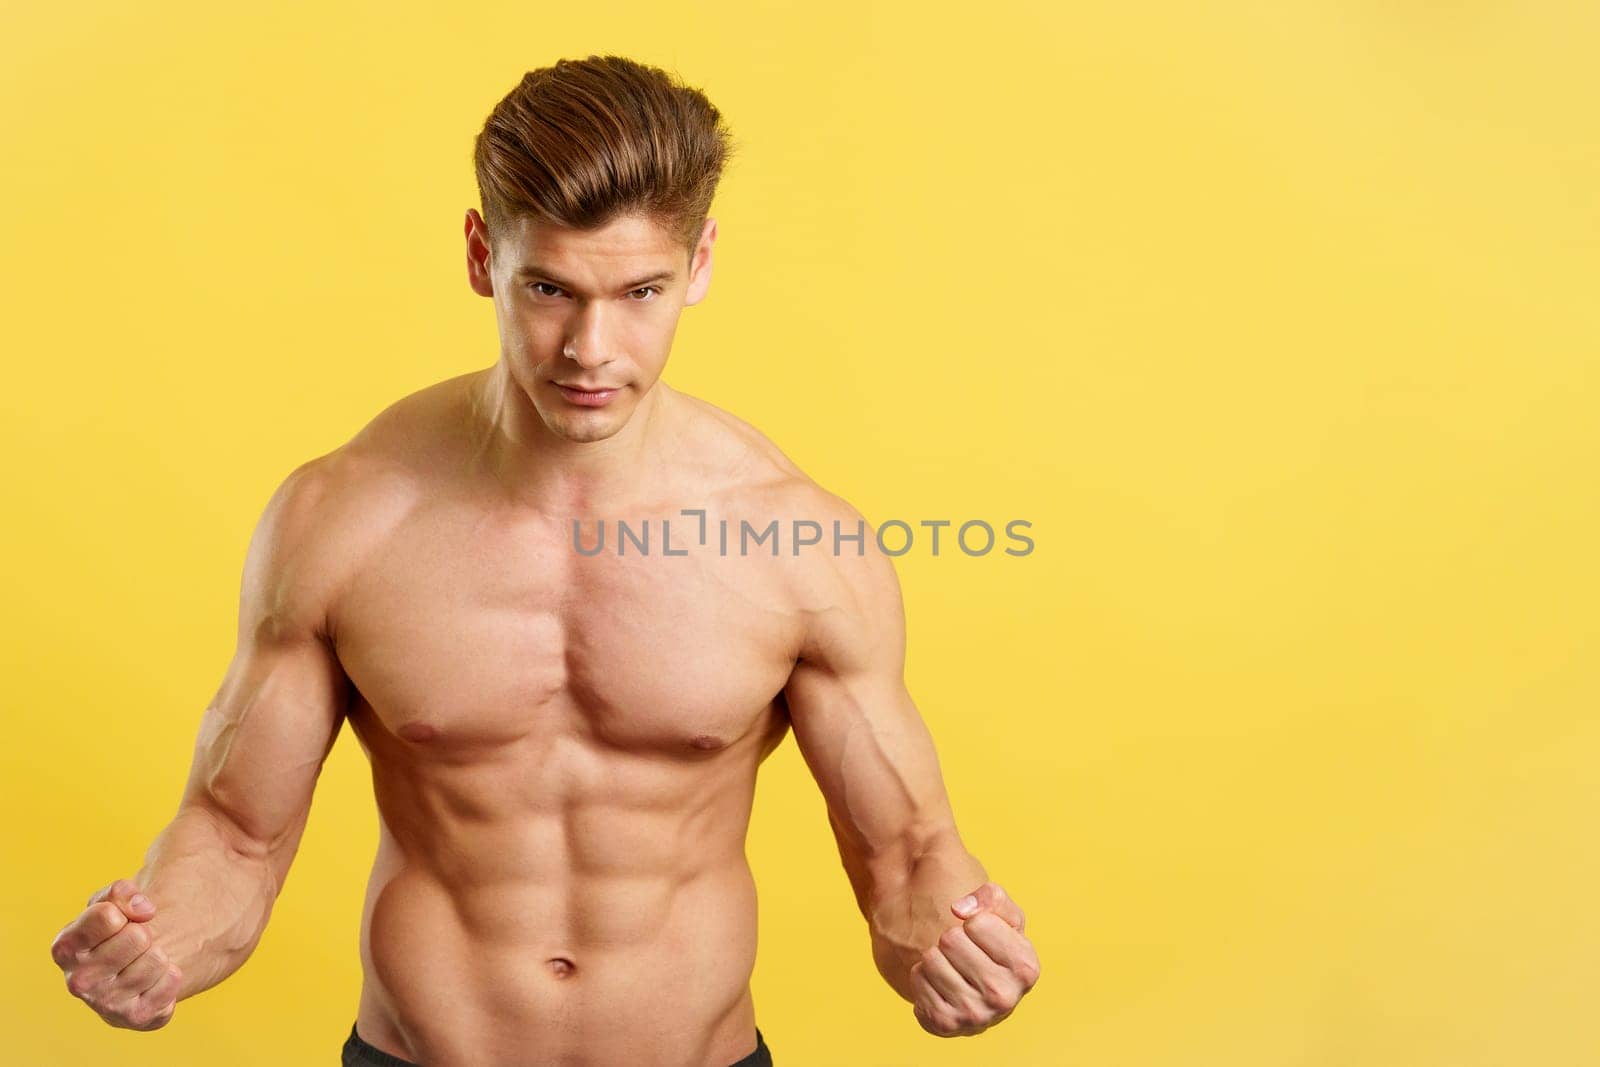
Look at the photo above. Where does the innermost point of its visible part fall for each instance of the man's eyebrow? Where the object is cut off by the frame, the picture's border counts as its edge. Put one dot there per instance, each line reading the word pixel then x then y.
pixel 535 271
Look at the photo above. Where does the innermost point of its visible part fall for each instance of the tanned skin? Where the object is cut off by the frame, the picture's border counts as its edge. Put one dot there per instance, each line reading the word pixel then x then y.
pixel 563 746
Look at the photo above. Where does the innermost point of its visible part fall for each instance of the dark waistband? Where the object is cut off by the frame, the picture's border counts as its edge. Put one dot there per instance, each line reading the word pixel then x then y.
pixel 357 1053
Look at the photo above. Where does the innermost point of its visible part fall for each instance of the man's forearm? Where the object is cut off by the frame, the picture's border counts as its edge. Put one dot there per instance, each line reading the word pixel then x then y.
pixel 911 908
pixel 212 898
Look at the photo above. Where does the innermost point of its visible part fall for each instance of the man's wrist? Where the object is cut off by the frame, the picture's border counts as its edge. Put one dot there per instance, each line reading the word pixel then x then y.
pixel 907 913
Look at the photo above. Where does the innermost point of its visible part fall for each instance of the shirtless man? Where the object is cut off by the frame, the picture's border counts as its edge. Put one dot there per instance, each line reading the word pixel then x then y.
pixel 564 741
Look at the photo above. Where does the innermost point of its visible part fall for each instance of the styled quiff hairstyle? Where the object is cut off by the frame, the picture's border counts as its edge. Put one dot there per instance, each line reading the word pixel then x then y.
pixel 585 140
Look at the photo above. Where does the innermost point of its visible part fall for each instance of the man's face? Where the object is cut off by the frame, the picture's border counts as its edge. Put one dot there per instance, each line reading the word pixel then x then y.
pixel 587 317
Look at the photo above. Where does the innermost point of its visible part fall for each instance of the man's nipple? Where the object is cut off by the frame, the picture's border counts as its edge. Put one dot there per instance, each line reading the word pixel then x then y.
pixel 418 732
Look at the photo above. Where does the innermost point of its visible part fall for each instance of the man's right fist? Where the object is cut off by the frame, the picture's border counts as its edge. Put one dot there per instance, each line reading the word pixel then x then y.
pixel 112 963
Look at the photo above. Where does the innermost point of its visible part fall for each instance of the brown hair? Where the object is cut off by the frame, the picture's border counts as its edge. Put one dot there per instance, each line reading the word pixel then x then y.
pixel 585 140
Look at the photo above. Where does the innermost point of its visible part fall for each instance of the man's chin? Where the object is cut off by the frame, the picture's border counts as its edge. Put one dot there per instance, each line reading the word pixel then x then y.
pixel 582 429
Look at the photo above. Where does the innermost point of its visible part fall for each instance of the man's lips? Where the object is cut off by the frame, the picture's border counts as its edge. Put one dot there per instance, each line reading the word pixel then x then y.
pixel 588 396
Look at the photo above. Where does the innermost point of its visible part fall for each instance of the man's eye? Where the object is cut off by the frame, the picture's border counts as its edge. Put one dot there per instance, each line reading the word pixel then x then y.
pixel 555 290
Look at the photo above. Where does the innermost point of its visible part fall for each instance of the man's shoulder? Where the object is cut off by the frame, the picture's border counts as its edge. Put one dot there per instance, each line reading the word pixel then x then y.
pixel 338 488
pixel 411 430
pixel 827 547
pixel 754 472
pixel 390 460
pixel 330 511
pixel 321 520
pixel 380 466
pixel 719 439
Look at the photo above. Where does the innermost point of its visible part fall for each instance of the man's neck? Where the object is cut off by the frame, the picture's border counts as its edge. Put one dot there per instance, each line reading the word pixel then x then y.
pixel 543 471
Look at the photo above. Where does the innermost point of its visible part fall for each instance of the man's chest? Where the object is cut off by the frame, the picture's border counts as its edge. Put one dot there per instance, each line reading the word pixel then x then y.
pixel 464 635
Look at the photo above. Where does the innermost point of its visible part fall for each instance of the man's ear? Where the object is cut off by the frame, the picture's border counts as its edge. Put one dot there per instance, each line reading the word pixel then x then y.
pixel 700 264
pixel 479 268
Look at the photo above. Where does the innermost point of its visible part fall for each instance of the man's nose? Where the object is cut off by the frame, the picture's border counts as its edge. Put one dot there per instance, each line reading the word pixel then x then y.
pixel 585 342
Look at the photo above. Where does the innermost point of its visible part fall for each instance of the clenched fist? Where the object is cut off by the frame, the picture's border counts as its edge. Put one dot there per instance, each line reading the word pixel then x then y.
pixel 976 974
pixel 112 963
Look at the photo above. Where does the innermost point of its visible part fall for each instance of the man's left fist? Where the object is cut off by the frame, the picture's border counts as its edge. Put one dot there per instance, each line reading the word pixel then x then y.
pixel 978 971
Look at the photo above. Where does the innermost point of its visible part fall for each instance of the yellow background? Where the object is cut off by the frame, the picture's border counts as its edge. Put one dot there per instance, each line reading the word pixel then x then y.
pixel 1278 321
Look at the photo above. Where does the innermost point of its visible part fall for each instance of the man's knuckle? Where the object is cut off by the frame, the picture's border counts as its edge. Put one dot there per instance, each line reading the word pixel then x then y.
pixel 951 937
pixel 149 1014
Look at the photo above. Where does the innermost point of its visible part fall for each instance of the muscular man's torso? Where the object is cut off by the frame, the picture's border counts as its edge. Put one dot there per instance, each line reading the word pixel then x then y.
pixel 563 747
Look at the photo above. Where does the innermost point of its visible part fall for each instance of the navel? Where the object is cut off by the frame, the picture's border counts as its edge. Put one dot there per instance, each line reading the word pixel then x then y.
pixel 561 967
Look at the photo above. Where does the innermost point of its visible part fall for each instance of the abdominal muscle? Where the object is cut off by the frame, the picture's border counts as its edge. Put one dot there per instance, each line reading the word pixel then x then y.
pixel 591 934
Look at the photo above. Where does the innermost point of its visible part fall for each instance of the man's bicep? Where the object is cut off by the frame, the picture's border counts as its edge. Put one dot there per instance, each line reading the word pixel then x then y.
pixel 859 731
pixel 274 719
